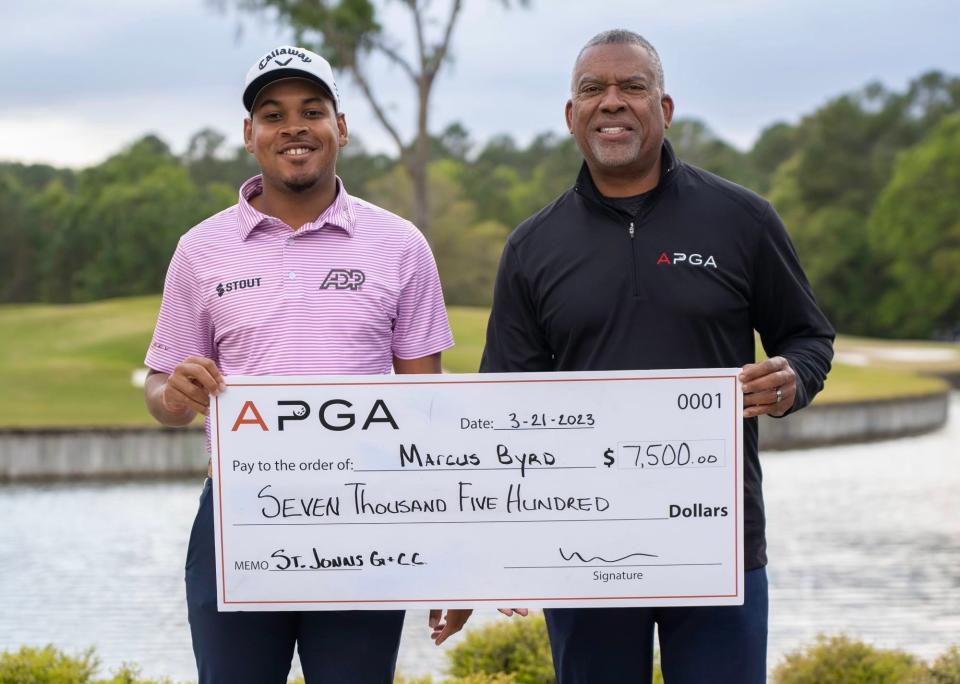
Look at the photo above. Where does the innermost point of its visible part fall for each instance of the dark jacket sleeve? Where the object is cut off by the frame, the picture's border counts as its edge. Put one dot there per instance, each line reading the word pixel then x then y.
pixel 785 312
pixel 515 341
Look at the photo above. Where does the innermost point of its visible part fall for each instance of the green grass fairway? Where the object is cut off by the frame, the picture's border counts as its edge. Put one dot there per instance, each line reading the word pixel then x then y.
pixel 855 383
pixel 71 365
pixel 919 356
pixel 470 332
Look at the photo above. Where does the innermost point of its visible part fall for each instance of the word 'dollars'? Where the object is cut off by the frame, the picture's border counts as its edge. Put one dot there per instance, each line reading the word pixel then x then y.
pixel 296 410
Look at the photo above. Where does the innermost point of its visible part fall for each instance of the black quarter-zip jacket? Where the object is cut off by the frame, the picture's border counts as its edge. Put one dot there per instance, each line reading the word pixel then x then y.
pixel 683 284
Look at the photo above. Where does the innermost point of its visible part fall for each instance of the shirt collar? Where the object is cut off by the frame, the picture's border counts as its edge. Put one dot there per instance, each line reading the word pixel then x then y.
pixel 340 214
pixel 668 165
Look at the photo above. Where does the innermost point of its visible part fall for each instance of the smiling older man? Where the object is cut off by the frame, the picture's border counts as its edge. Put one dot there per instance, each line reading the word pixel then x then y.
pixel 648 262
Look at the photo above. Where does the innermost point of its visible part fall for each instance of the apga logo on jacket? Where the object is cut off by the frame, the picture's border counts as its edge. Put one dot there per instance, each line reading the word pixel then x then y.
pixel 684 258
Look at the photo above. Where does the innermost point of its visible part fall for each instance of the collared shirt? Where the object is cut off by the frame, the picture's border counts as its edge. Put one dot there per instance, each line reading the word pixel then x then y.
pixel 342 295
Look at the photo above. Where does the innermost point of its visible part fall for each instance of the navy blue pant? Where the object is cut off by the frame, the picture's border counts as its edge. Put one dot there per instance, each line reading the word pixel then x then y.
pixel 257 648
pixel 719 645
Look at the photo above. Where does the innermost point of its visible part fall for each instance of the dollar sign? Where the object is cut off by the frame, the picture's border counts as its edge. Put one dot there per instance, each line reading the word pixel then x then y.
pixel 608 457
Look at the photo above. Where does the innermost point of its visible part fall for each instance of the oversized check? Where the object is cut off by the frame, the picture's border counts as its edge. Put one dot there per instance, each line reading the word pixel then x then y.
pixel 503 490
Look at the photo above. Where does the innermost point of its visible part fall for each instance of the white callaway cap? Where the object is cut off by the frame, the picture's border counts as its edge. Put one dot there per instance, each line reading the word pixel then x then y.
pixel 288 62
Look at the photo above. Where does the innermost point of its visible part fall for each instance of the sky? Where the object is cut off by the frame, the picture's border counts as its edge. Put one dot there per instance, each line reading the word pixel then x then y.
pixel 84 78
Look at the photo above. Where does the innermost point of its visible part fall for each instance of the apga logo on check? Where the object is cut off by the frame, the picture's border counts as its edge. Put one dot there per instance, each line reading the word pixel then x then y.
pixel 536 489
pixel 300 410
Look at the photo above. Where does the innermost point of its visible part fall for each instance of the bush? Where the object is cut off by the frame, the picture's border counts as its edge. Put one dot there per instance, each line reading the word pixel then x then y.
pixel 517 652
pixel 49 665
pixel 946 669
pixel 841 660
pixel 46 666
pixel 129 674
pixel 519 647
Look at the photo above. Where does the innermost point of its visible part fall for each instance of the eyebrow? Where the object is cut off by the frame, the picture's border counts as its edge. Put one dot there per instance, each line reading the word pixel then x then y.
pixel 310 100
pixel 591 77
pixel 316 98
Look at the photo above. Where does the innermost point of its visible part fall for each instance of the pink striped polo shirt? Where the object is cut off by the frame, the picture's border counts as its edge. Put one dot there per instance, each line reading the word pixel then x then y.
pixel 340 296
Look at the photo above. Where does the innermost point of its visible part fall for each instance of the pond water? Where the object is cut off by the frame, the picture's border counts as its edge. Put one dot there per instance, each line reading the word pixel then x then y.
pixel 863 540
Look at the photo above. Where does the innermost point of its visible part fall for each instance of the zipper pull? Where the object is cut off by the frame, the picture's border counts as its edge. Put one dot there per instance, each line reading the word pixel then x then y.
pixel 631 230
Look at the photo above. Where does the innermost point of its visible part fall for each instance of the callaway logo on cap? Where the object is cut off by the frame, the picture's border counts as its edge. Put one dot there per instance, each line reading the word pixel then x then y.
pixel 289 62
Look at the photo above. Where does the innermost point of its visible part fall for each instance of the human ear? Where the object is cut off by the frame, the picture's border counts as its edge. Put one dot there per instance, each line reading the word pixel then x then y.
pixel 666 104
pixel 248 135
pixel 343 134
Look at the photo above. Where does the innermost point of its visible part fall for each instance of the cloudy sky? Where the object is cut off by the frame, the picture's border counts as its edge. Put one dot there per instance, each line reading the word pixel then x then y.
pixel 81 79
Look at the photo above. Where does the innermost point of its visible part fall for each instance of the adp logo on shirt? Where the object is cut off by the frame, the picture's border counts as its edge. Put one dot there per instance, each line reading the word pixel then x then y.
pixel 343 279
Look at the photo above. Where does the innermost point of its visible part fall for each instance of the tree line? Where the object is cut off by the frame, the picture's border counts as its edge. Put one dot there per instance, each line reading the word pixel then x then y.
pixel 868 185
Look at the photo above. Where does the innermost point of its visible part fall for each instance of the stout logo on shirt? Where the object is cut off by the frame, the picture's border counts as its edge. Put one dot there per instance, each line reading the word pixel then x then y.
pixel 343 279
pixel 684 258
pixel 224 288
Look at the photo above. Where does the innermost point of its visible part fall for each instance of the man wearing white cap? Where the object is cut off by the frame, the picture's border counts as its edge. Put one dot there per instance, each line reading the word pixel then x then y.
pixel 297 278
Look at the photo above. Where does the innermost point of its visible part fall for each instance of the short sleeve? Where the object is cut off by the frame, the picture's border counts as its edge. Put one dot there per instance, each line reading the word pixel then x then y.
pixel 421 327
pixel 183 326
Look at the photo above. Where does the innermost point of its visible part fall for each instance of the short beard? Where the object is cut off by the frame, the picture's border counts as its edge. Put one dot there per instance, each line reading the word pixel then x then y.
pixel 299 186
pixel 616 158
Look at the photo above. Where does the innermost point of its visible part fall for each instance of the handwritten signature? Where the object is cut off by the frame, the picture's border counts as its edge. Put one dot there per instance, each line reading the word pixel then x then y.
pixel 577 555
